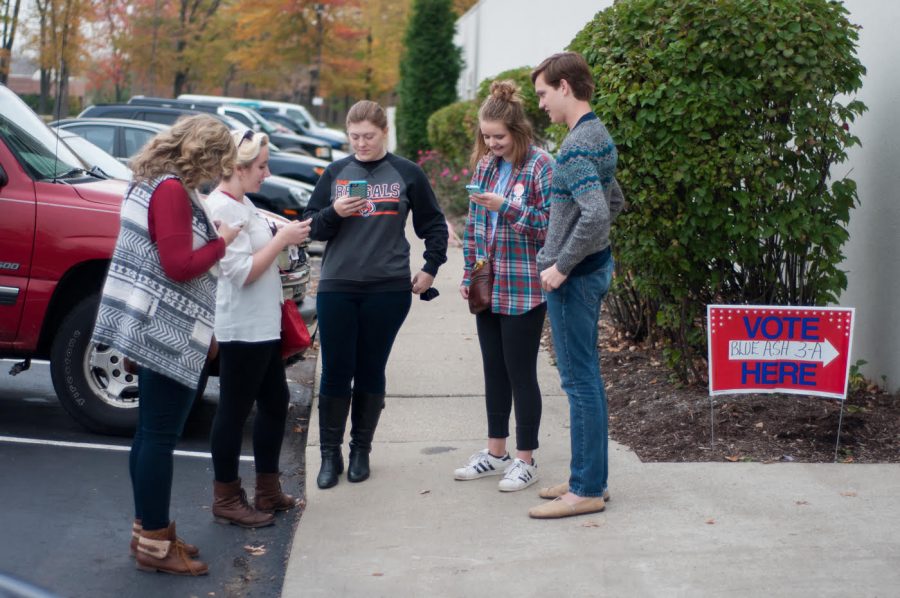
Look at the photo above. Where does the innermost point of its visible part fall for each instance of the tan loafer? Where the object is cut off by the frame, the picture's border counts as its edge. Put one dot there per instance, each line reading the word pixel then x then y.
pixel 560 489
pixel 558 508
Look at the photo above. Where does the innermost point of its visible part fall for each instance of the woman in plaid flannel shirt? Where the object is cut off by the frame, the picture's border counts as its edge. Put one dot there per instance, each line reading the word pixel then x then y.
pixel 507 224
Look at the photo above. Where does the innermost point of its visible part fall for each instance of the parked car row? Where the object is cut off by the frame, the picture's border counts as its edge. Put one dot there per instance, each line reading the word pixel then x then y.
pixel 60 201
pixel 122 138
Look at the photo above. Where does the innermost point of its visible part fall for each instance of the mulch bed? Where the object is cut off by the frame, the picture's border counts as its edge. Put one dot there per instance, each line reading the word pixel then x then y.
pixel 664 421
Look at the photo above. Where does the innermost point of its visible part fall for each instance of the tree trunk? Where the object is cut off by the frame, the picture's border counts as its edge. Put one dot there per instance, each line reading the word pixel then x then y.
pixel 43 99
pixel 62 96
pixel 180 81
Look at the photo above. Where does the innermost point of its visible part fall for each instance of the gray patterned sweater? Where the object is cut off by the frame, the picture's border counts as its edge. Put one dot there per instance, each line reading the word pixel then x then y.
pixel 163 325
pixel 585 197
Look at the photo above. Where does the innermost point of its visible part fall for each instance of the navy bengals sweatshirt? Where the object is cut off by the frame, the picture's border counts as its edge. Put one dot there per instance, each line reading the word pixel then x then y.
pixel 368 251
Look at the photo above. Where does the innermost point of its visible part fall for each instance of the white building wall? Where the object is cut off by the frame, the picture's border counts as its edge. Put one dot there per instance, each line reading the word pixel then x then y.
pixel 497 35
pixel 873 257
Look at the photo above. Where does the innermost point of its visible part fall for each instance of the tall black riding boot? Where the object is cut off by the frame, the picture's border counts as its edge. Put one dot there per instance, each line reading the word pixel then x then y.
pixel 332 421
pixel 363 421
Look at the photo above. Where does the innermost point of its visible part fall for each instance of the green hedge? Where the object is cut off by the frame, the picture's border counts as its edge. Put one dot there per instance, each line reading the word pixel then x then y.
pixel 732 122
pixel 452 130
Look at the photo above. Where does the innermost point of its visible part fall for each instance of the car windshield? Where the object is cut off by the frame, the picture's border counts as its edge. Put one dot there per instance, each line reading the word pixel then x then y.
pixel 299 117
pixel 35 146
pixel 95 157
pixel 265 125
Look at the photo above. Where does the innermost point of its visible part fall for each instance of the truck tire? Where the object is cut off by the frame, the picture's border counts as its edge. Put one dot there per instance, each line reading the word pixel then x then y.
pixel 89 379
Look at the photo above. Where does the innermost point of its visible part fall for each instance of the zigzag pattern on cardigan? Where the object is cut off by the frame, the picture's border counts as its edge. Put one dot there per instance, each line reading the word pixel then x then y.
pixel 158 323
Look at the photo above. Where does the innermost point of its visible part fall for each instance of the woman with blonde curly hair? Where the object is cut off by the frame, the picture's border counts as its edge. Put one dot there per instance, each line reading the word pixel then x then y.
pixel 158 308
pixel 248 327
pixel 506 226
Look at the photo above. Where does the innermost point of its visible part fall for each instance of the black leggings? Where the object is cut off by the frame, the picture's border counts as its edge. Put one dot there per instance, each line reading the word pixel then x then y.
pixel 356 334
pixel 248 373
pixel 509 348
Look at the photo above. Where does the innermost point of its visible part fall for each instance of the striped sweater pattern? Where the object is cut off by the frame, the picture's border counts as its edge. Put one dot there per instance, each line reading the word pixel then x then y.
pixel 585 197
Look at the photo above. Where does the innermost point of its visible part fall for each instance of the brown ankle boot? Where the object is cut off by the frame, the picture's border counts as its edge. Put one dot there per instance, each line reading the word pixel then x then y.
pixel 159 550
pixel 231 506
pixel 136 528
pixel 269 497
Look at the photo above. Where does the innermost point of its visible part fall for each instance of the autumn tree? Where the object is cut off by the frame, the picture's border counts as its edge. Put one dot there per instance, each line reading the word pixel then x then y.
pixel 380 49
pixel 59 41
pixel 461 6
pixel 9 21
pixel 190 35
pixel 110 72
pixel 429 69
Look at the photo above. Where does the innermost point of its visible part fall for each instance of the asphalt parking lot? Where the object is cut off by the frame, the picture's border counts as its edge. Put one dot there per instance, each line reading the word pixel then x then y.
pixel 67 510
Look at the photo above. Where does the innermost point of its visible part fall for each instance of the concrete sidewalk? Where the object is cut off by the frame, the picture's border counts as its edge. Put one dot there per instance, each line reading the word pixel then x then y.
pixel 694 529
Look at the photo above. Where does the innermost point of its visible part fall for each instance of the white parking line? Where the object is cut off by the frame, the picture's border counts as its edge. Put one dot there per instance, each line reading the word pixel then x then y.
pixel 102 447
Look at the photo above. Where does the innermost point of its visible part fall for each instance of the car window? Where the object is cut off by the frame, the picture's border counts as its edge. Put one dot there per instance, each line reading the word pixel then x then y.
pixel 135 139
pixel 240 116
pixel 299 117
pixel 115 114
pixel 102 137
pixel 93 156
pixel 160 117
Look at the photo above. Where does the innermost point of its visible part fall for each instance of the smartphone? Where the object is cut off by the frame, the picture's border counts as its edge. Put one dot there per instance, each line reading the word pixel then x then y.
pixel 474 189
pixel 358 189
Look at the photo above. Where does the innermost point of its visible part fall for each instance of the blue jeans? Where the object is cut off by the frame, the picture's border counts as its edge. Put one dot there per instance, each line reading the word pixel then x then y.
pixel 574 310
pixel 162 411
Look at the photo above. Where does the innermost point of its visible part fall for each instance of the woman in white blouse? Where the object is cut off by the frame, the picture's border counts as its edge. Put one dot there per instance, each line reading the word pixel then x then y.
pixel 248 328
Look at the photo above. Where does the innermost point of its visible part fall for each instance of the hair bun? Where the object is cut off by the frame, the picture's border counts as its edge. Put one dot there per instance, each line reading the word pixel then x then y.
pixel 505 90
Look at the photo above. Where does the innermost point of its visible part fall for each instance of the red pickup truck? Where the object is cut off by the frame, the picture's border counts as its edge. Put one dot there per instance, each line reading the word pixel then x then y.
pixel 58 225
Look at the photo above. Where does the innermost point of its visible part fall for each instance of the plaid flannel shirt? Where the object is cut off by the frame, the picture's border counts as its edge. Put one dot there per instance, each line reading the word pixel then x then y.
pixel 521 228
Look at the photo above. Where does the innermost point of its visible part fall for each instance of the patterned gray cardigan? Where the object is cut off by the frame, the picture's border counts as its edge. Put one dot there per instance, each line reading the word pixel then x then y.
pixel 161 324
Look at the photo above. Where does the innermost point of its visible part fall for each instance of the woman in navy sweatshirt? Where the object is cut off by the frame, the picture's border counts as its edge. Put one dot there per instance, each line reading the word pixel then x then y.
pixel 364 286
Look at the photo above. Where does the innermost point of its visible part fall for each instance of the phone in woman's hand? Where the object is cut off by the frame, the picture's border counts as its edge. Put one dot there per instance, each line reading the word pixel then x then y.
pixel 358 189
pixel 472 189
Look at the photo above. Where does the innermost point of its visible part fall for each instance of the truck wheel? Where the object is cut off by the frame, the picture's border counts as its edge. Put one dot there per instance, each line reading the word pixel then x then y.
pixel 89 379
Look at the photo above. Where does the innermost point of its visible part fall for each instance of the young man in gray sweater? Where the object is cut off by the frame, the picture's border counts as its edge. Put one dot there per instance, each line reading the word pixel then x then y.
pixel 576 270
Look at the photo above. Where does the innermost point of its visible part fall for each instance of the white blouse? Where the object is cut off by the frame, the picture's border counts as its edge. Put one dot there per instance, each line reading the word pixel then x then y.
pixel 250 313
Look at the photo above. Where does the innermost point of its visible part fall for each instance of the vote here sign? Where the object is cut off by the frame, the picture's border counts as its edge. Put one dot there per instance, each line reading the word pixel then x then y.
pixel 798 350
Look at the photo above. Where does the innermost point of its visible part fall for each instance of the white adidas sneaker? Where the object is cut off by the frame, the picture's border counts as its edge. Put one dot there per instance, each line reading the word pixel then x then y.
pixel 483 464
pixel 519 476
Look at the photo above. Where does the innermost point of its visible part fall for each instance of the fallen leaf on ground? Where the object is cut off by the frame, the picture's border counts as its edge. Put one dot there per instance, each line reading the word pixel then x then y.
pixel 801 502
pixel 590 524
pixel 424 491
pixel 733 458
pixel 378 575
pixel 255 550
pixel 299 429
pixel 710 522
pixel 851 493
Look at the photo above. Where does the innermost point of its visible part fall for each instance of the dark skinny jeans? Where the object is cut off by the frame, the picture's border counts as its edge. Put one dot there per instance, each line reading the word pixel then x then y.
pixel 162 410
pixel 356 333
pixel 249 373
pixel 509 349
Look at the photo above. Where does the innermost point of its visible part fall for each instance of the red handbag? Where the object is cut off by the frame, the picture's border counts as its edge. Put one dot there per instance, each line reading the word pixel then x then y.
pixel 294 333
